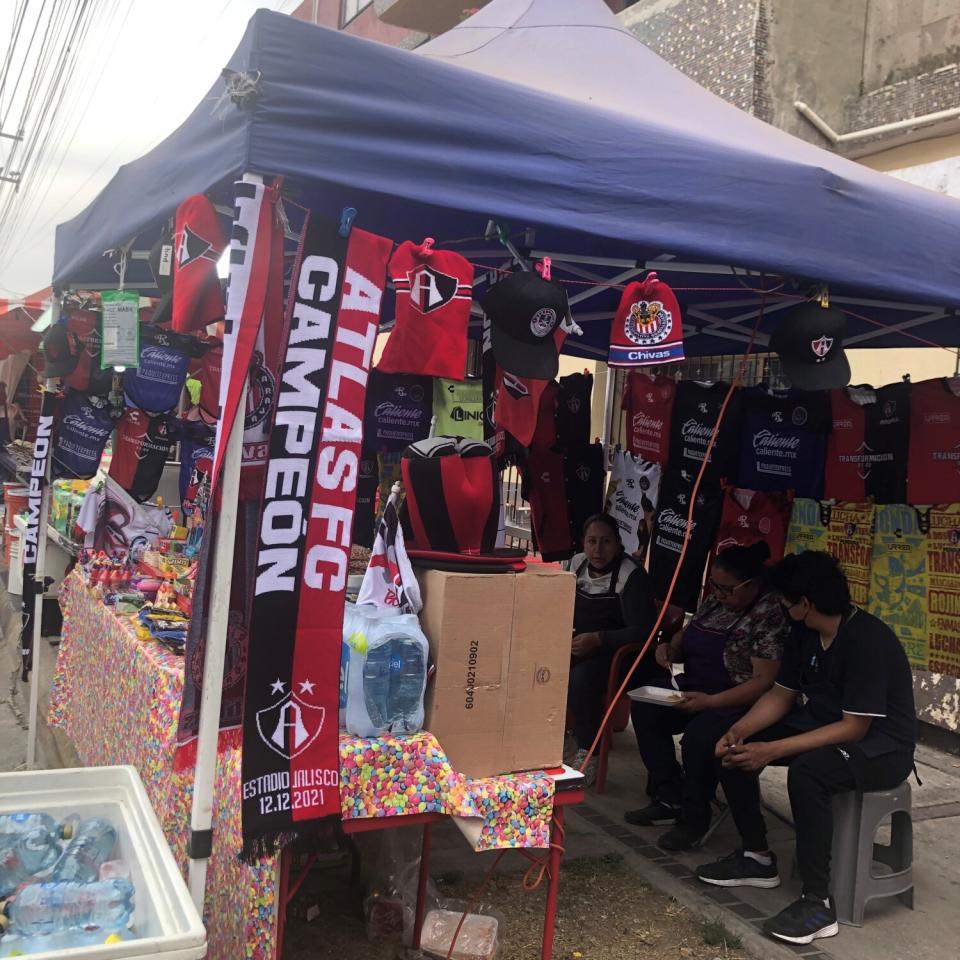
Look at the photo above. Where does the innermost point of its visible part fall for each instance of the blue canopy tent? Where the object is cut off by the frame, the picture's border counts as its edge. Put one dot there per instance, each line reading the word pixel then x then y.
pixel 550 117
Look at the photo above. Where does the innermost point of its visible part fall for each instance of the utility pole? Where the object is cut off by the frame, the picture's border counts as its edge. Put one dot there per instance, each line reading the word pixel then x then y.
pixel 13 178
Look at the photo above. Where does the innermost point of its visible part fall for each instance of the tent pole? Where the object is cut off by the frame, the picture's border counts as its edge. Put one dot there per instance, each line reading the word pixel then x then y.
pixel 39 589
pixel 201 813
pixel 607 429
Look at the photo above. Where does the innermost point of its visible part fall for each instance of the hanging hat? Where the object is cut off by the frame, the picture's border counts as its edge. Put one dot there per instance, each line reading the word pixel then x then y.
pixel 61 352
pixel 647 328
pixel 525 311
pixel 809 341
pixel 451 512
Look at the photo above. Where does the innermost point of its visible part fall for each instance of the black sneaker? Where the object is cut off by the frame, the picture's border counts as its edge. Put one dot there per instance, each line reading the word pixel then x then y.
pixel 804 921
pixel 679 838
pixel 656 815
pixel 739 870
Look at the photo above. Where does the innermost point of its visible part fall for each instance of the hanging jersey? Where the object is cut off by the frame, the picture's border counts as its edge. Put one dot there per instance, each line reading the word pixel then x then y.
pixel 397 412
pixel 648 406
pixel 112 521
pixel 85 426
pixel 198 245
pixel 155 385
pixel 140 451
pixel 634 497
pixel 899 584
pixel 208 374
pixel 696 408
pixel 368 482
pixel 848 461
pixel 434 291
pixel 517 405
pixel 573 410
pixel 749 516
pixel 784 440
pixel 458 407
pixel 844 530
pixel 669 529
pixel 196 462
pixel 584 475
pixel 545 434
pixel 546 492
pixel 934 460
pixel 83 330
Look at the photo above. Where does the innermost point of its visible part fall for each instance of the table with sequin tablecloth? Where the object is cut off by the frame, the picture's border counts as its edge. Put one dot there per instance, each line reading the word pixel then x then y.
pixel 118 699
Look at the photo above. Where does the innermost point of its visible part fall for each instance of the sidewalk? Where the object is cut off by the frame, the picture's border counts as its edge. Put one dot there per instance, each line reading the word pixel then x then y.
pixel 929 932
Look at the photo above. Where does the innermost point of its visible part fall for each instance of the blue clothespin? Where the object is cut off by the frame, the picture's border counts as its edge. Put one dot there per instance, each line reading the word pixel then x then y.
pixel 347 216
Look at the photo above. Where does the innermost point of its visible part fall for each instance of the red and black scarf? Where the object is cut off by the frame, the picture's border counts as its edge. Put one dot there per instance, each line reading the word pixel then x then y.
pixel 290 733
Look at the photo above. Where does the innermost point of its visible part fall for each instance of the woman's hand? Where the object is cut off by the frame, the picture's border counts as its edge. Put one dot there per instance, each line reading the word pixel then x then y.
pixel 584 643
pixel 727 742
pixel 694 702
pixel 664 655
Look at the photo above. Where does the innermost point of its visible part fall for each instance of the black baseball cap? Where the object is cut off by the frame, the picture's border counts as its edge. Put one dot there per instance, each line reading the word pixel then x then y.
pixel 61 352
pixel 525 311
pixel 809 341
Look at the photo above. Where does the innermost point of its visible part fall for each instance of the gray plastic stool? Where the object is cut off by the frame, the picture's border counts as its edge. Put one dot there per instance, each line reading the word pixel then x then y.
pixel 856 819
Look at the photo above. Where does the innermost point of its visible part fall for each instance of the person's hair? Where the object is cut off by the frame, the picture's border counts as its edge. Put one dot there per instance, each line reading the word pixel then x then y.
pixel 744 563
pixel 607 521
pixel 816 576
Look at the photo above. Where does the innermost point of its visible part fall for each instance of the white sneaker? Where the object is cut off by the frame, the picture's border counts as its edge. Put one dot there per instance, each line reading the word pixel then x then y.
pixel 590 771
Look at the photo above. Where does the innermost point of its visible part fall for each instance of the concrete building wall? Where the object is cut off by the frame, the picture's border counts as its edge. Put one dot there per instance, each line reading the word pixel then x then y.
pixel 328 13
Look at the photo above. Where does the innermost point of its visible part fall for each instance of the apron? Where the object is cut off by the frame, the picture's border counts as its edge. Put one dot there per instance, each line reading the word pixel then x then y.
pixel 703 666
pixel 593 612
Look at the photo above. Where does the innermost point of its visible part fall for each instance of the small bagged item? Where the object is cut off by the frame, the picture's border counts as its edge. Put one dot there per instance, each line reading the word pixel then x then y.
pixel 477 940
pixel 386 672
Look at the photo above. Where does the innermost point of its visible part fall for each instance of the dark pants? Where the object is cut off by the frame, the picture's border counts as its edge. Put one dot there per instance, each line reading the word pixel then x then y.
pixel 813 779
pixel 587 693
pixel 693 785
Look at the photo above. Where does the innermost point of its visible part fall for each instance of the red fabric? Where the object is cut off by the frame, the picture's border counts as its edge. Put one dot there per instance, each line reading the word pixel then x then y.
pixel 844 473
pixel 518 405
pixel 198 244
pixel 208 374
pixel 648 404
pixel 316 660
pixel 547 494
pixel 933 472
pixel 647 328
pixel 83 329
pixel 545 434
pixel 434 292
pixel 749 516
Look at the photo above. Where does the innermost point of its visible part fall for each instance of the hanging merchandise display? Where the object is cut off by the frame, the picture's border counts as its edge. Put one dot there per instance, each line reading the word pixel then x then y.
pixel 525 313
pixel 398 411
pixel 198 245
pixel 632 498
pixel 208 373
pixel 647 328
pixel 389 582
pixel 119 328
pixel 784 440
pixel 934 461
pixel 84 426
pixel 160 261
pixel 899 582
pixel 115 524
pixel 943 589
pixel 458 408
pixel 574 410
pixel 32 534
pixel 544 488
pixel 250 356
pixel 196 459
pixel 368 482
pixel 809 341
pixel 749 516
pixel 867 450
pixel 71 351
pixel 290 755
pixel 669 530
pixel 696 408
pixel 584 475
pixel 545 434
pixel 140 451
pixel 844 530
pixel 517 405
pixel 156 384
pixel 434 290
pixel 648 406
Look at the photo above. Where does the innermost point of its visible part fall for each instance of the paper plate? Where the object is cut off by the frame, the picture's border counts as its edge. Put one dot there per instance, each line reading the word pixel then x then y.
pixel 664 696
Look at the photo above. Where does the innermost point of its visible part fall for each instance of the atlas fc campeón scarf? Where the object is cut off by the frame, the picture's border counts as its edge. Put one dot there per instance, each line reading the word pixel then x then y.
pixel 290 735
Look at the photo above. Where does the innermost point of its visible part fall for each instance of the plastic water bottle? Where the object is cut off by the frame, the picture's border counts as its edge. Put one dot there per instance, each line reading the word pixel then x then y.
pixel 376 685
pixel 17 824
pixel 42 909
pixel 406 691
pixel 92 846
pixel 27 856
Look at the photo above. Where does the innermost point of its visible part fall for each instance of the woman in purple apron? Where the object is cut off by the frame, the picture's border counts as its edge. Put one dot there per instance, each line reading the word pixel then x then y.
pixel 614 606
pixel 730 652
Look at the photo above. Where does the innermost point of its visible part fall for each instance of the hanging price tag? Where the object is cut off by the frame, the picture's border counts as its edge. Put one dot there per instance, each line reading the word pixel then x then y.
pixel 120 329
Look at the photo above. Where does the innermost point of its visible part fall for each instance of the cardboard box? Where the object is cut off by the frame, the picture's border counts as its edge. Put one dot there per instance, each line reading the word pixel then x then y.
pixel 501 645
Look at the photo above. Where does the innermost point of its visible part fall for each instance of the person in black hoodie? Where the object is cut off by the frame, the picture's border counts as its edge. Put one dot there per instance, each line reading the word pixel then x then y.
pixel 614 607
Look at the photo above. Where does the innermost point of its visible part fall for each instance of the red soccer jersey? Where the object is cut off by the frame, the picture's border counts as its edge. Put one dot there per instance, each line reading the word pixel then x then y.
pixel 648 404
pixel 750 516
pixel 933 474
pixel 846 457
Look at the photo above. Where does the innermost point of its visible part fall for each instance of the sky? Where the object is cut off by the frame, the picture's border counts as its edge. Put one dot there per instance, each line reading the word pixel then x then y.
pixel 146 70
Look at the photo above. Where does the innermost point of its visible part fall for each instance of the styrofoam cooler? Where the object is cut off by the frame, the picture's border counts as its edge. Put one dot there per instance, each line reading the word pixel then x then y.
pixel 165 919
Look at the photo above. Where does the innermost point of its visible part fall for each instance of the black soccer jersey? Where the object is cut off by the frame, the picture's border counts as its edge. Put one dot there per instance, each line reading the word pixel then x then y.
pixel 696 408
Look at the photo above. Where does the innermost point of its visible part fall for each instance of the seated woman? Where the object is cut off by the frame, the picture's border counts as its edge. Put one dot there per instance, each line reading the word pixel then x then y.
pixel 731 653
pixel 614 606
